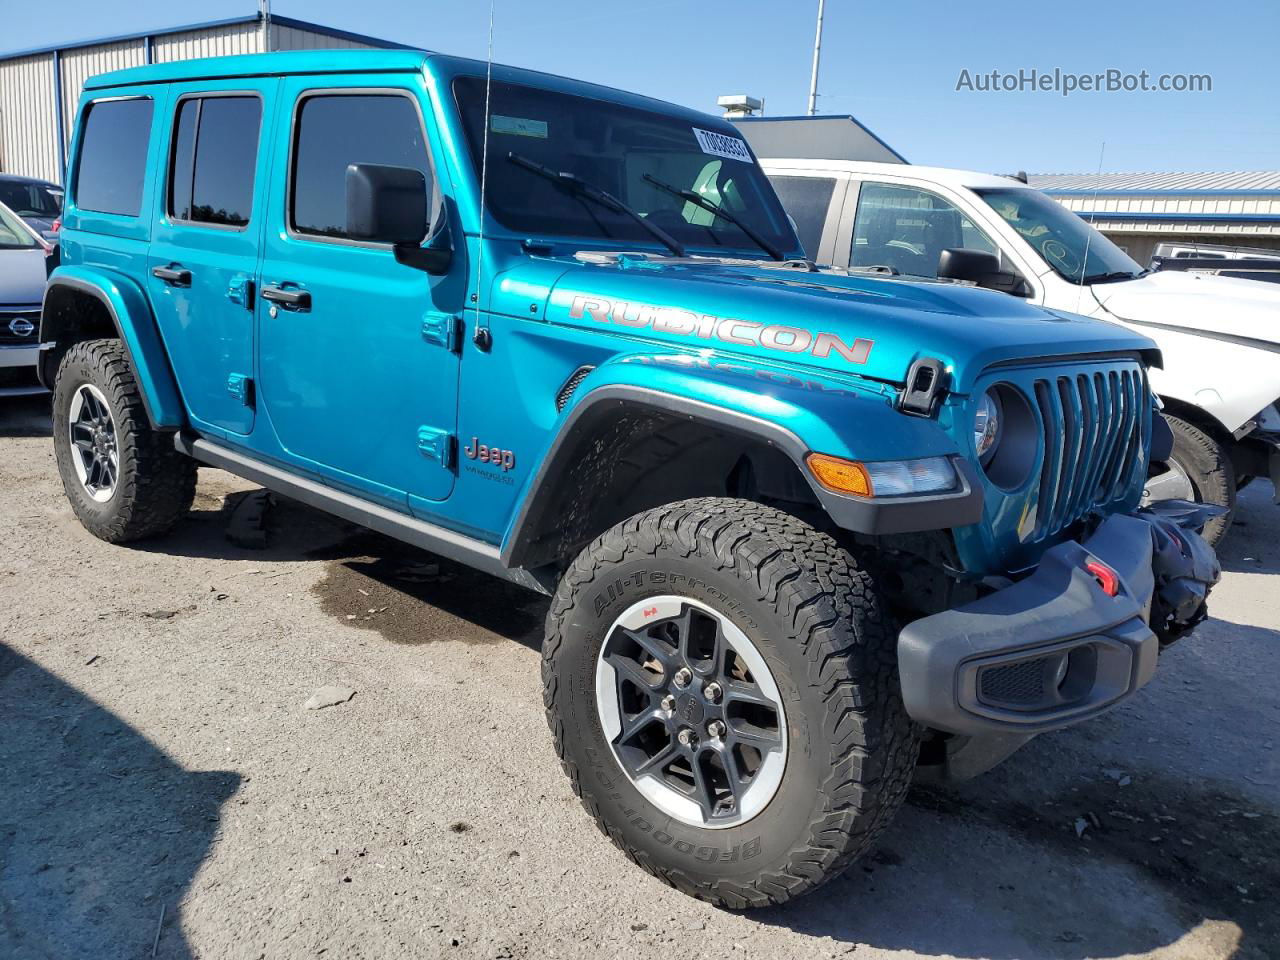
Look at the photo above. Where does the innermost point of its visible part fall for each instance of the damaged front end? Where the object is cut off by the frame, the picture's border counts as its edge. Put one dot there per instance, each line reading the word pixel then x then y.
pixel 1079 634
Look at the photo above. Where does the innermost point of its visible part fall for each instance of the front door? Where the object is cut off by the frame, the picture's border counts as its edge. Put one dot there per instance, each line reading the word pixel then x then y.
pixel 359 370
pixel 204 249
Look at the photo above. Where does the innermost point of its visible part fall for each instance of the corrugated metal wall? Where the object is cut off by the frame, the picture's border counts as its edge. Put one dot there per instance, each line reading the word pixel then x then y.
pixel 28 128
pixel 28 111
pixel 291 38
pixel 224 41
pixel 81 64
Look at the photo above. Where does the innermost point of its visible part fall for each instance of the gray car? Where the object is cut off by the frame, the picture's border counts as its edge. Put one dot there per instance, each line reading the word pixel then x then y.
pixel 38 202
pixel 24 270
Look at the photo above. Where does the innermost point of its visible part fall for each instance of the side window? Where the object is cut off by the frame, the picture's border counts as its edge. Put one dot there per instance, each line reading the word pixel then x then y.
pixel 334 131
pixel 806 199
pixel 112 166
pixel 908 229
pixel 215 156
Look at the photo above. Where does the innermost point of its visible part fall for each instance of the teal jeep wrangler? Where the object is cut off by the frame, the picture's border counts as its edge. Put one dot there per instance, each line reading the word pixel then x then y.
pixel 806 532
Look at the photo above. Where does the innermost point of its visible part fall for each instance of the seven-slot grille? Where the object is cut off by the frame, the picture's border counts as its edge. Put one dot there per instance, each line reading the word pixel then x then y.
pixel 1093 438
pixel 9 319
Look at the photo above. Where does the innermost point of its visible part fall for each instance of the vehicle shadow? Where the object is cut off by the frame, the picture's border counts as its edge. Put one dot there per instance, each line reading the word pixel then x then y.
pixel 26 416
pixel 371 581
pixel 100 831
pixel 1251 546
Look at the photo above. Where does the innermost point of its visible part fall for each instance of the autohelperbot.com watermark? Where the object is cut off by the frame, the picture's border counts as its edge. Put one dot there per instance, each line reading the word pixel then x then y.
pixel 1066 82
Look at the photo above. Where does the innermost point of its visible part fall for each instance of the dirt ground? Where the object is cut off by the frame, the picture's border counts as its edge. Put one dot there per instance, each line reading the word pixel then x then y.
pixel 164 792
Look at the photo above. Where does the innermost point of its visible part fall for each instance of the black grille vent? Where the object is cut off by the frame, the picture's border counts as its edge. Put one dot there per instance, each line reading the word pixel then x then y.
pixel 1017 684
pixel 570 385
pixel 19 318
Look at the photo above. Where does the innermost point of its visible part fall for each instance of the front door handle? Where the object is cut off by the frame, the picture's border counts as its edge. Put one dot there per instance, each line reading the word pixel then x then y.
pixel 174 276
pixel 291 299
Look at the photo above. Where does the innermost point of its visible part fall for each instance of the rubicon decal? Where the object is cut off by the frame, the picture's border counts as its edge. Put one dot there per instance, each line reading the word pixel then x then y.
pixel 731 330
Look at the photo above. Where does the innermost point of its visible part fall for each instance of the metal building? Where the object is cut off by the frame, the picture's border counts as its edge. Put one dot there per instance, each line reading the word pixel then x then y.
pixel 1140 210
pixel 39 89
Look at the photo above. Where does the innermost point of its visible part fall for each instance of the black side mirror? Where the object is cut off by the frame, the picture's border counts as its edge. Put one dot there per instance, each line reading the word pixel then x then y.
pixel 977 266
pixel 386 204
pixel 434 256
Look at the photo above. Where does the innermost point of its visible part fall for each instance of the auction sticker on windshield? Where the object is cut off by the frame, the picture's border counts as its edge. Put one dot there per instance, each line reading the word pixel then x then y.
pixel 518 126
pixel 719 145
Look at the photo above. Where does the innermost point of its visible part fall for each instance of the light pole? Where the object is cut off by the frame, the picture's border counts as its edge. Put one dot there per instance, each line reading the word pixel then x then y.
pixel 817 53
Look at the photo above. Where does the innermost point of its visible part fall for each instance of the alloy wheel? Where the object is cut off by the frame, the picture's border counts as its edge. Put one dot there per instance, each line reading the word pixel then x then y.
pixel 94 449
pixel 691 712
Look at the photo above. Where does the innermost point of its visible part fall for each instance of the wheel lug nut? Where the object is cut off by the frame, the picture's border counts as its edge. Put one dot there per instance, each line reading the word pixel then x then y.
pixel 683 677
pixel 685 736
pixel 712 692
pixel 716 728
pixel 668 703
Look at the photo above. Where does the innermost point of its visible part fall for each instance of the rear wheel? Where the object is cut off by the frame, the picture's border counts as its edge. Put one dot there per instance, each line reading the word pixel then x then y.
pixel 125 481
pixel 1200 469
pixel 721 680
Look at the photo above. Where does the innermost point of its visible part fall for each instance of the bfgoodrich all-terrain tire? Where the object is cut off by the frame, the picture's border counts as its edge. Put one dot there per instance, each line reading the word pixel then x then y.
pixel 721 681
pixel 1201 470
pixel 125 480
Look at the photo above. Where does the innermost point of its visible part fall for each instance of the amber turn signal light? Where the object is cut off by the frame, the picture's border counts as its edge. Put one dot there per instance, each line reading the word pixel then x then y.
pixel 842 476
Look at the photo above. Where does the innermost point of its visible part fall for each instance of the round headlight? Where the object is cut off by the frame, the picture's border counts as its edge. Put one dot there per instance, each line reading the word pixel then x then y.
pixel 986 426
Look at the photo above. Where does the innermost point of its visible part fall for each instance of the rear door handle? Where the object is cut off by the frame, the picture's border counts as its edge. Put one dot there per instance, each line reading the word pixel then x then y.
pixel 174 276
pixel 291 299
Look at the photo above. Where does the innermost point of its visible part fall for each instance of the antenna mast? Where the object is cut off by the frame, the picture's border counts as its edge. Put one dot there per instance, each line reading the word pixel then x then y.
pixel 817 53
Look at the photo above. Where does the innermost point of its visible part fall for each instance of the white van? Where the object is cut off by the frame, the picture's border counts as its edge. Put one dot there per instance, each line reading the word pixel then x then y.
pixel 1220 336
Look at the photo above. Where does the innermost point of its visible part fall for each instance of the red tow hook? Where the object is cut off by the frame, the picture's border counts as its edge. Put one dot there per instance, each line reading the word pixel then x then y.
pixel 1107 578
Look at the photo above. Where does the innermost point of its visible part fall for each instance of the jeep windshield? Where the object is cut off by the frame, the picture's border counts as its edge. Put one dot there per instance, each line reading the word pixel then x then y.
pixel 614 148
pixel 1061 237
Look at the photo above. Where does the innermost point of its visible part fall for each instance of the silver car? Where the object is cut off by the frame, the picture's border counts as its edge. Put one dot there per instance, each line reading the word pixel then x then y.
pixel 24 269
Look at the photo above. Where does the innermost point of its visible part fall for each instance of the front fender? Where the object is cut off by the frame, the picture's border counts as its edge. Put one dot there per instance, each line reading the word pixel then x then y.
pixel 797 414
pixel 130 312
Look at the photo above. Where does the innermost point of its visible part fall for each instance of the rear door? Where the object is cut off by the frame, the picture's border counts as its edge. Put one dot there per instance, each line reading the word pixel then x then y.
pixel 360 370
pixel 204 248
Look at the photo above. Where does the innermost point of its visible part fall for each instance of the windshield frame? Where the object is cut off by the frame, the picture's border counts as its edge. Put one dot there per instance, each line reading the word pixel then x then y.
pixel 735 244
pixel 14 223
pixel 1103 253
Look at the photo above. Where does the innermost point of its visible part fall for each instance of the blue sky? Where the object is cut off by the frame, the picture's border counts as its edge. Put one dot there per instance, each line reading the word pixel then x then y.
pixel 894 66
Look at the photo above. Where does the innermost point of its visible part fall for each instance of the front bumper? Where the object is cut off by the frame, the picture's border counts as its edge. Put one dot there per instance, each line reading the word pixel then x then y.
pixel 1057 648
pixel 19 356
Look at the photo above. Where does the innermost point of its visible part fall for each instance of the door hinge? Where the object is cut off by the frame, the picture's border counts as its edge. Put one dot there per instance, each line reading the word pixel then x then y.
pixel 443 329
pixel 436 444
pixel 240 386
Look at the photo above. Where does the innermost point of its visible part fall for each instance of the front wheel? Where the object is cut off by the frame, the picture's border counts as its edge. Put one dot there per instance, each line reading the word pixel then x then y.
pixel 1200 470
pixel 721 680
pixel 125 480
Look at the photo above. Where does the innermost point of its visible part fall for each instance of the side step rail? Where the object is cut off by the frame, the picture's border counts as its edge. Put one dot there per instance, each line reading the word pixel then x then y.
pixel 439 540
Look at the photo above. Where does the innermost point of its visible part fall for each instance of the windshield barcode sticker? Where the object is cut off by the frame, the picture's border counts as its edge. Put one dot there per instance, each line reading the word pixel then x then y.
pixel 720 145
pixel 518 126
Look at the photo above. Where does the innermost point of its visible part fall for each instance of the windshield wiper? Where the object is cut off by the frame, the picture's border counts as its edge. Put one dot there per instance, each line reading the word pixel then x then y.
pixel 1111 276
pixel 580 188
pixel 700 201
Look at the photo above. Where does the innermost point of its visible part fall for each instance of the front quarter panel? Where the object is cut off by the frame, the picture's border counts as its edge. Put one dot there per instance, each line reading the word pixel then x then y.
pixel 797 413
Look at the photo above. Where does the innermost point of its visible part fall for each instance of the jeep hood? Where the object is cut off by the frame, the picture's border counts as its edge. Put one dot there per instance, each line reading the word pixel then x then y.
pixel 1227 306
pixel 838 321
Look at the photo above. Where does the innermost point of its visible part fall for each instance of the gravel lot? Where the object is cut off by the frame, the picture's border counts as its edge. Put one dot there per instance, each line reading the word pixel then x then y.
pixel 163 789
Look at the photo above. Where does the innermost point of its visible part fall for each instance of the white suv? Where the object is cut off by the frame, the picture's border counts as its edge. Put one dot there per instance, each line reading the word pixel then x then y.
pixel 1219 336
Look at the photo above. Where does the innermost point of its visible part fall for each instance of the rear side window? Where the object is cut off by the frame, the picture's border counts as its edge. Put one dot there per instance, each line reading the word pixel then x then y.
pixel 336 131
pixel 113 156
pixel 215 156
pixel 806 199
